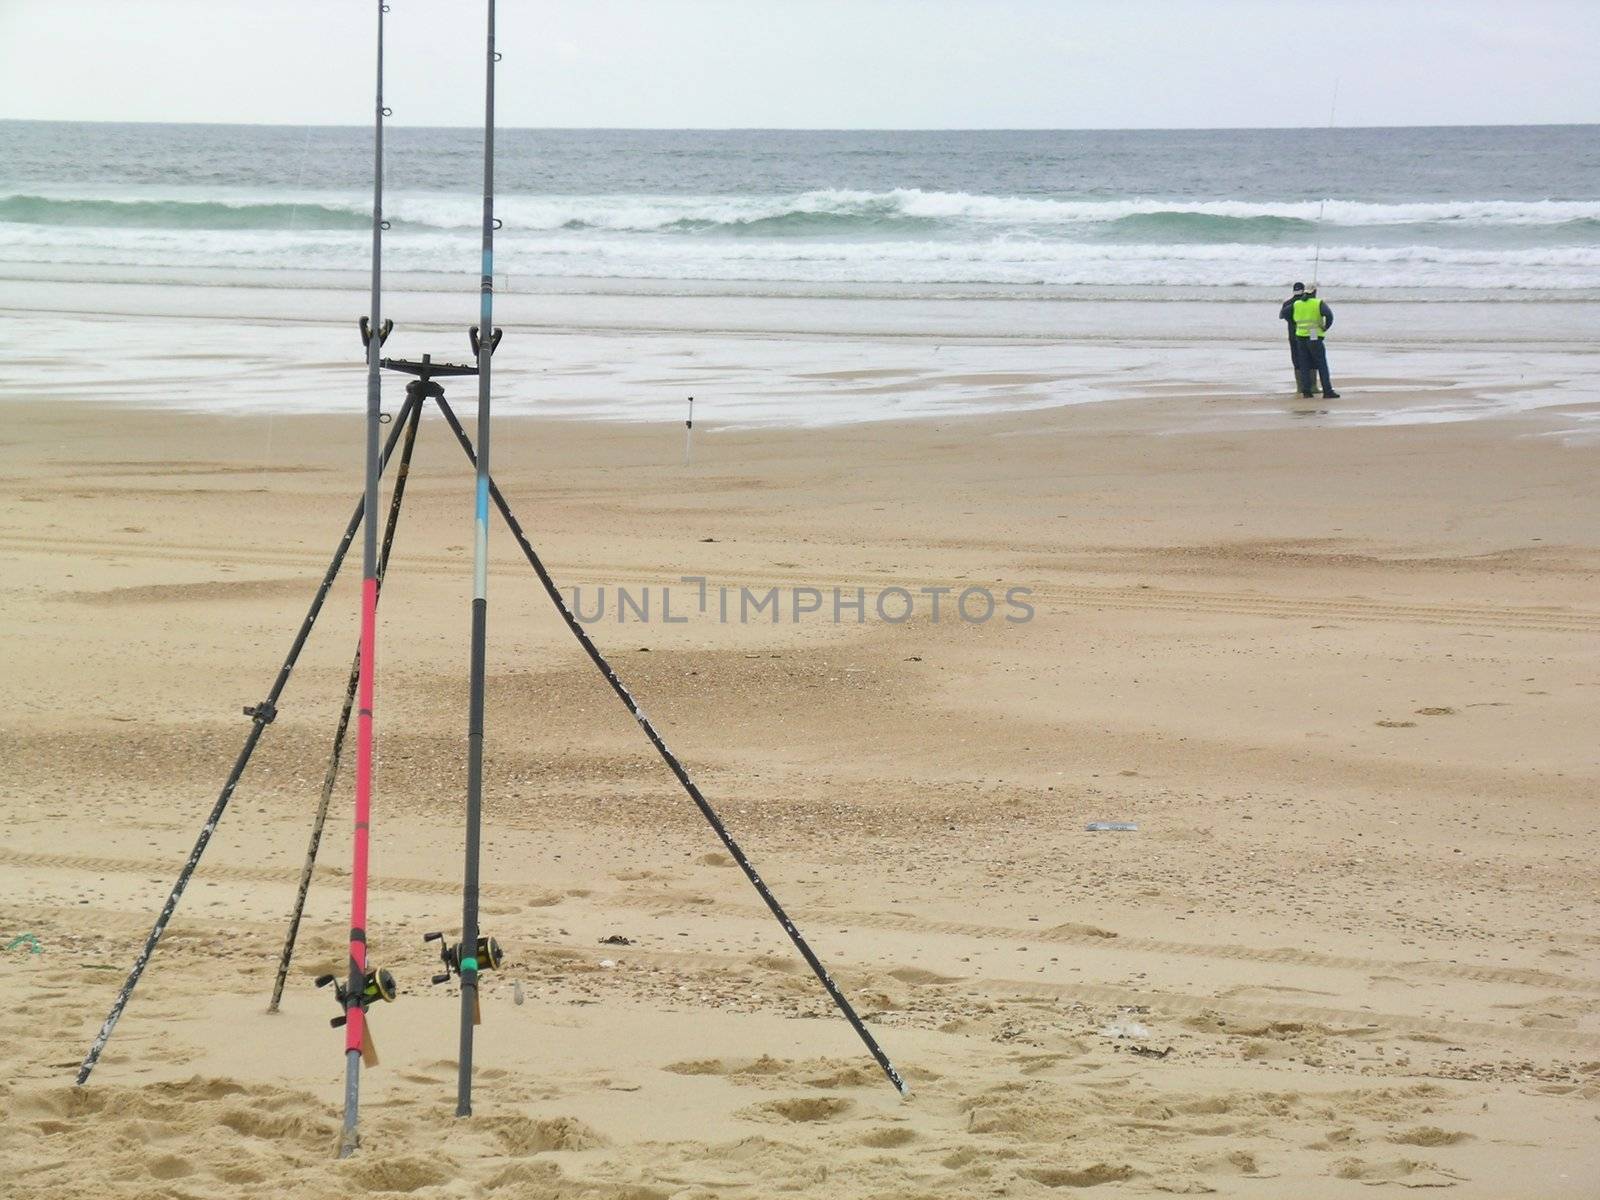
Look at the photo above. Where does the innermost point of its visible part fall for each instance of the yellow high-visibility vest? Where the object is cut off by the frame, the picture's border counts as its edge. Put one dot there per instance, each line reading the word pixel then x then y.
pixel 1308 318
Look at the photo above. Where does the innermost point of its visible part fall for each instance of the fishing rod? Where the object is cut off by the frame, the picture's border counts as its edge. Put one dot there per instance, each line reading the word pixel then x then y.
pixel 484 339
pixel 359 989
pixel 688 434
pixel 1322 204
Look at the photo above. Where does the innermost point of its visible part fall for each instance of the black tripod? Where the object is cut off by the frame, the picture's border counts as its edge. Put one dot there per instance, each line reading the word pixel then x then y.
pixel 485 952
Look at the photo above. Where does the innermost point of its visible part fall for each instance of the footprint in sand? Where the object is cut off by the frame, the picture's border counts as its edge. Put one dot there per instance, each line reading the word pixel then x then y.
pixel 1429 1135
pixel 169 1166
pixel 410 1173
pixel 1080 1177
pixel 303 1126
pixel 1343 1138
pixel 888 1139
pixel 1436 712
pixel 535 1176
pixel 1237 1163
pixel 699 1066
pixel 803 1109
pixel 851 1075
pixel 521 1135
pixel 1406 1172
pixel 1392 981
pixel 776 962
pixel 917 976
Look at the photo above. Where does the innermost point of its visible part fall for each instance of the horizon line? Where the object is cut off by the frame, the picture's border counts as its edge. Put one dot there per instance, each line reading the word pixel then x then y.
pixel 818 128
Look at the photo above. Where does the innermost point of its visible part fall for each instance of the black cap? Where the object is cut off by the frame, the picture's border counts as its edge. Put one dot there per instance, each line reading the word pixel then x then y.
pixel 1299 287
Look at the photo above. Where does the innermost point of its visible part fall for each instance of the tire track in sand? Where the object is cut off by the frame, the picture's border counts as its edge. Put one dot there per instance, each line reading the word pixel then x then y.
pixel 1137 598
pixel 561 958
pixel 285 875
pixel 1080 935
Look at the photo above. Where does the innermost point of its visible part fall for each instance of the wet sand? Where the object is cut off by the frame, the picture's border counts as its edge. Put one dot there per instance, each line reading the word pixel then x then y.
pixel 1340 675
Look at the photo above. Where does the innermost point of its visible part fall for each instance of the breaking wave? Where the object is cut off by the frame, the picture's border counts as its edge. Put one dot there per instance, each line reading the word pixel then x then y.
pixel 898 236
pixel 830 212
pixel 177 214
pixel 1001 260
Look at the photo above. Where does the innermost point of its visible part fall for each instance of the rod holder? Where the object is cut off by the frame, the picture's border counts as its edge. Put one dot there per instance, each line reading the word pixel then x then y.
pixel 383 331
pixel 494 340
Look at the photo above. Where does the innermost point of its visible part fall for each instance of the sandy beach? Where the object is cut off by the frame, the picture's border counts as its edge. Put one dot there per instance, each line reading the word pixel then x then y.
pixel 1337 662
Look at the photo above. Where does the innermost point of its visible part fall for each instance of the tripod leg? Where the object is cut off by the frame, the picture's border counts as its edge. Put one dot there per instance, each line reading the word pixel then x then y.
pixel 677 767
pixel 261 716
pixel 402 471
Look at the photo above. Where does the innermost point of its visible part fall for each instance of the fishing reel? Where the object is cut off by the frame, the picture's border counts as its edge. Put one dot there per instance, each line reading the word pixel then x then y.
pixel 378 985
pixel 488 957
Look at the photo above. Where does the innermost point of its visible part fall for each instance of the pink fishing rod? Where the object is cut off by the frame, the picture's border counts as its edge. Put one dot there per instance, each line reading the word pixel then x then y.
pixel 361 987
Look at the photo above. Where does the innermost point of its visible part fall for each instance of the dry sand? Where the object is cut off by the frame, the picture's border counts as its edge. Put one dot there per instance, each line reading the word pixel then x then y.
pixel 1343 679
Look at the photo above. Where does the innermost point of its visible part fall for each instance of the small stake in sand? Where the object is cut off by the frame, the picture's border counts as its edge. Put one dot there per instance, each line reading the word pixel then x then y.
pixel 688 434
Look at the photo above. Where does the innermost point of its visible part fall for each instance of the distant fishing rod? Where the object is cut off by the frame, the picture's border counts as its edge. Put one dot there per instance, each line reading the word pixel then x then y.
pixel 1322 204
pixel 688 434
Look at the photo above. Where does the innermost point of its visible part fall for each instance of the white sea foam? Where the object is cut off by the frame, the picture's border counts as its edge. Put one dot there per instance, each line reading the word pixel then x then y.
pixel 1004 259
pixel 649 213
pixel 901 236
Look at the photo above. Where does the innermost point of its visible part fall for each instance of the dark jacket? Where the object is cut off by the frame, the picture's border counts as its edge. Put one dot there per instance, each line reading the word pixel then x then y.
pixel 1286 313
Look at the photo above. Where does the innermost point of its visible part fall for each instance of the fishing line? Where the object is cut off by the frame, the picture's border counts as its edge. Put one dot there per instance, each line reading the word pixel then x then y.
pixel 294 220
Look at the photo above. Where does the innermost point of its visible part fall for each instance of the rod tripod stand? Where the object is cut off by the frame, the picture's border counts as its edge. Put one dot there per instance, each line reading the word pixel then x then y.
pixel 378 984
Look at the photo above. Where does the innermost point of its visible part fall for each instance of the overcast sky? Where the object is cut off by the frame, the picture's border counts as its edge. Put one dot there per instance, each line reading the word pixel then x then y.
pixel 812 63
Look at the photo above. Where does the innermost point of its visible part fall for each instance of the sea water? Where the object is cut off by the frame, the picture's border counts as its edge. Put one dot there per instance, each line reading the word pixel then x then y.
pixel 810 278
pixel 1488 213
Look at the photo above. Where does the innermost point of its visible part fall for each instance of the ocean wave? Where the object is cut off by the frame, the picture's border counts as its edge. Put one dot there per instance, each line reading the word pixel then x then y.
pixel 1023 210
pixel 991 260
pixel 908 212
pixel 836 210
pixel 176 214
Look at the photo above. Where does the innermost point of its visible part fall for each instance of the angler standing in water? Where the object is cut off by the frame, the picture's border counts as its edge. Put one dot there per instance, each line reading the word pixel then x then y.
pixel 1312 320
pixel 1286 315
